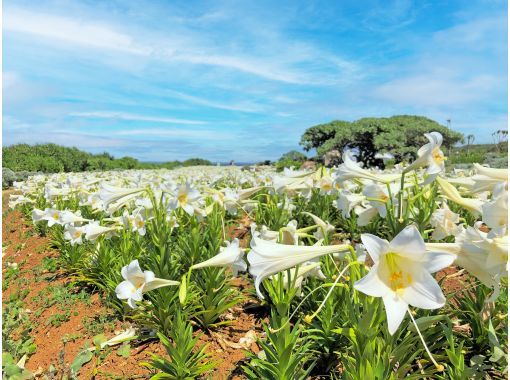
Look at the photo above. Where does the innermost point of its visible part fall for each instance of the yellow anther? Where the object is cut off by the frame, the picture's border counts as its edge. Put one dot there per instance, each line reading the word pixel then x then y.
pixel 308 319
pixel 182 198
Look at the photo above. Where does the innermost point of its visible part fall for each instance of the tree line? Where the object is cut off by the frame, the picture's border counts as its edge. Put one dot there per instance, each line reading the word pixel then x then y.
pixel 52 158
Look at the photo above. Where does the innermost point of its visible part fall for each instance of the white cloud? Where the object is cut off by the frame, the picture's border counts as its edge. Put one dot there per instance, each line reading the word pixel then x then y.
pixel 135 117
pixel 70 30
pixel 475 34
pixel 436 88
pixel 242 107
pixel 250 65
pixel 198 134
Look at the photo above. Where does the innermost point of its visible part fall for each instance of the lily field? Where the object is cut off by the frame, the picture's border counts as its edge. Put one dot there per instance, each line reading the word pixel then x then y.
pixel 230 273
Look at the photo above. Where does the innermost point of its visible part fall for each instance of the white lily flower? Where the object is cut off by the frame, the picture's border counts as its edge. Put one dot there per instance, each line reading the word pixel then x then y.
pixel 305 188
pixel 113 197
pixel 267 234
pixel 401 274
pixel 124 336
pixel 93 230
pixel 489 178
pixel 245 194
pixel 289 172
pixel 445 222
pixel 136 282
pixel 53 192
pixel 289 234
pixel 326 185
pixel 365 214
pixel 350 169
pixel 52 216
pixel 230 256
pixel 430 155
pixel 68 217
pixel 304 271
pixel 94 201
pixel 172 221
pixel 484 255
pixel 37 215
pixel 267 258
pixel 74 234
pixel 495 212
pixel 450 192
pixel 185 198
pixel 287 205
pixel 139 224
pixel 230 201
pixel 347 201
pixel 17 199
pixel 378 197
pixel 266 180
pixel 283 184
pixel 323 228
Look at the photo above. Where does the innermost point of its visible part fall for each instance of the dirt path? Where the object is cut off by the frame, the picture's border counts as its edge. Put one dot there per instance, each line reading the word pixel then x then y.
pixel 48 318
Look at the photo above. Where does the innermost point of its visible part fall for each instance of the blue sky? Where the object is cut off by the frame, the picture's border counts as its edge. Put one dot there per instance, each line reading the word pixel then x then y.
pixel 164 80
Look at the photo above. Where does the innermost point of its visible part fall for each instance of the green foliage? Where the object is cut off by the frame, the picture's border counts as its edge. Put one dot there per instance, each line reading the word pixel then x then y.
pixel 292 159
pixel 398 135
pixel 17 337
pixel 286 353
pixel 293 155
pixel 9 176
pixel 11 370
pixel 491 154
pixel 185 361
pixel 196 162
pixel 52 158
pixel 215 296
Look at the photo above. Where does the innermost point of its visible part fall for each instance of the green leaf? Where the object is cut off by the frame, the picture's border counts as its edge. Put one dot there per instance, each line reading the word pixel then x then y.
pixel 11 369
pixel 124 350
pixel 477 360
pixel 497 354
pixel 348 332
pixel 183 290
pixel 7 358
pixel 493 339
pixel 99 340
pixel 425 322
pixel 82 358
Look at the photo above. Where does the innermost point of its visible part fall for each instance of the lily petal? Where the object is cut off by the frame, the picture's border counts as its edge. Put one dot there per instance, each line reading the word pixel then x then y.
pixel 396 309
pixel 375 246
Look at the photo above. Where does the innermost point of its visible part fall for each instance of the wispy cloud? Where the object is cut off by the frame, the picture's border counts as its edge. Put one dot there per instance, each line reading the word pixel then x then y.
pixel 69 30
pixel 198 134
pixel 135 117
pixel 441 88
pixel 249 107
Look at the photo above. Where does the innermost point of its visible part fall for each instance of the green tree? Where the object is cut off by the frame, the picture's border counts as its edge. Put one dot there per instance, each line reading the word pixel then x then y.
pixel 196 161
pixel 293 155
pixel 399 135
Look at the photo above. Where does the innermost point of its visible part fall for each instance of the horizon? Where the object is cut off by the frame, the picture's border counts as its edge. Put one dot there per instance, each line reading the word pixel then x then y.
pixel 230 80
